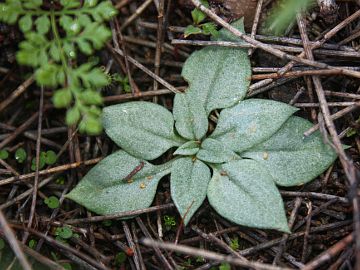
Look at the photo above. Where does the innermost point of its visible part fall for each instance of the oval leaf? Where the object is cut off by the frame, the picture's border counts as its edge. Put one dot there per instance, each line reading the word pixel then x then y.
pixel 250 122
pixel 218 76
pixel 188 149
pixel 107 189
pixel 214 151
pixel 143 129
pixel 191 119
pixel 189 181
pixel 243 192
pixel 290 158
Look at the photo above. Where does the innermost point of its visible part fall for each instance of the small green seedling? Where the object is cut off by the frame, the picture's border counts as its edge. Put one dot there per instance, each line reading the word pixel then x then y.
pixel 46 158
pixel 225 266
pixel 169 222
pixel 60 180
pixel 234 244
pixel 32 244
pixel 2 243
pixel 4 154
pixel 123 81
pixel 20 155
pixel 56 34
pixel 107 223
pixel 120 258
pixel 198 17
pixel 66 266
pixel 52 202
pixel 200 259
pixel 64 233
pixel 256 145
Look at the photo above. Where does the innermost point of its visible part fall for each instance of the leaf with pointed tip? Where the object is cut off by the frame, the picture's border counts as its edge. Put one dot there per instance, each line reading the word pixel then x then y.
pixel 243 192
pixel 250 122
pixel 188 149
pixel 218 76
pixel 105 189
pixel 290 158
pixel 143 129
pixel 188 182
pixel 191 119
pixel 214 151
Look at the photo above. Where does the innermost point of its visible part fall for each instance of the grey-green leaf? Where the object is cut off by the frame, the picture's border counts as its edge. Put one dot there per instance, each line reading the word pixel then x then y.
pixel 189 181
pixel 214 151
pixel 289 157
pixel 250 122
pixel 191 119
pixel 188 149
pixel 105 189
pixel 218 76
pixel 143 129
pixel 243 192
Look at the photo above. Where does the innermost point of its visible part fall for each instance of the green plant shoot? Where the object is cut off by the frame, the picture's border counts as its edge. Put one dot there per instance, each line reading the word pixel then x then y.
pixel 256 146
pixel 53 40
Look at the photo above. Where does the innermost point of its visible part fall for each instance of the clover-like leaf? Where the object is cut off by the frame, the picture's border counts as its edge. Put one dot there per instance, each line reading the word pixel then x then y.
pixel 105 189
pixel 33 50
pixel 188 182
pixel 47 75
pixel 89 76
pixel 290 158
pixel 245 193
pixel 214 151
pixel 218 76
pixel 42 24
pixel 250 122
pixel 25 23
pixel 143 129
pixel 191 119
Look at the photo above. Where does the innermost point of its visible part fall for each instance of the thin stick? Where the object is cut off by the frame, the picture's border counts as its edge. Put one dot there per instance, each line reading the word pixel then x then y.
pixel 159 40
pixel 158 252
pixel 133 172
pixel 147 71
pixel 330 253
pixel 134 87
pixel 319 196
pixel 21 89
pixel 212 238
pixel 266 47
pixel 37 160
pixel 19 130
pixel 256 22
pixel 346 161
pixel 24 194
pixel 334 116
pixel 231 44
pixel 120 214
pixel 298 73
pixel 10 236
pixel 136 14
pixel 207 254
pixel 57 169
pixel 40 258
pixel 305 250
pixel 68 250
pixel 285 237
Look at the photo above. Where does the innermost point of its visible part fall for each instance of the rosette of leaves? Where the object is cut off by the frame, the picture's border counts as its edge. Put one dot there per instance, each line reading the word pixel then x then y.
pixel 54 36
pixel 256 146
